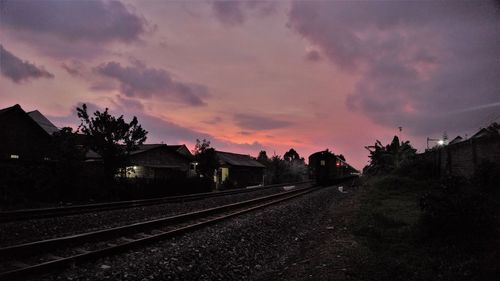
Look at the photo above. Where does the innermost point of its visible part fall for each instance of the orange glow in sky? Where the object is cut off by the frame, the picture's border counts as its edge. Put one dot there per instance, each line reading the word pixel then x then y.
pixel 253 76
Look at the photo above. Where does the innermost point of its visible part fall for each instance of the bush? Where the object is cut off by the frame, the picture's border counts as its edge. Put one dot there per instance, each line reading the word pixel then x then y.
pixel 487 176
pixel 457 209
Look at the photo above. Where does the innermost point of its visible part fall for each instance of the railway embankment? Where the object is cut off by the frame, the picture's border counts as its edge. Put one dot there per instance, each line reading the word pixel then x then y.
pixel 16 232
pixel 254 246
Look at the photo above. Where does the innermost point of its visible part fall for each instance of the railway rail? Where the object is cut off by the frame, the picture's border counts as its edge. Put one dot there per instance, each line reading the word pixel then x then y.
pixel 19 261
pixel 27 214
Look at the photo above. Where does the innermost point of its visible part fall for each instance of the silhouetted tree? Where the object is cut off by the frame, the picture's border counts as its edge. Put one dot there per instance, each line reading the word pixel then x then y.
pixel 277 169
pixel 262 158
pixel 384 159
pixel 111 137
pixel 291 155
pixel 66 146
pixel 206 158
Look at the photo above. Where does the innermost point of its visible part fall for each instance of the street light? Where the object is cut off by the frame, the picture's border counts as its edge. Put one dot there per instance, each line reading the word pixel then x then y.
pixel 439 141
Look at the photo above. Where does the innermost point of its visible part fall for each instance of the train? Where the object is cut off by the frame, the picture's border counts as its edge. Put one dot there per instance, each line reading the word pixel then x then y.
pixel 326 168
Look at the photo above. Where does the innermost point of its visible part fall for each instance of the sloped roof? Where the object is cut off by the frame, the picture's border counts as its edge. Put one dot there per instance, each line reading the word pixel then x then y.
pixel 456 140
pixel 7 109
pixel 235 159
pixel 481 133
pixel 43 122
pixel 92 155
pixel 18 109
pixel 175 147
pixel 145 147
pixel 166 158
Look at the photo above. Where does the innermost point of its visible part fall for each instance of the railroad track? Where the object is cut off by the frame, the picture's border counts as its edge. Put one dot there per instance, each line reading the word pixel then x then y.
pixel 27 214
pixel 22 260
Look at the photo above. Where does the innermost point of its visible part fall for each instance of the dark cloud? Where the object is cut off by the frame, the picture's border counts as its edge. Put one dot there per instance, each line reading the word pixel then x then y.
pixel 257 122
pixel 313 56
pixel 125 104
pixel 422 65
pixel 233 12
pixel 18 70
pixel 214 120
pixel 72 29
pixel 74 68
pixel 141 81
pixel 95 21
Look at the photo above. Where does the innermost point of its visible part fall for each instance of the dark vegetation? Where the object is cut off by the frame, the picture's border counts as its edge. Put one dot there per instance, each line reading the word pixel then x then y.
pixel 111 137
pixel 289 168
pixel 69 176
pixel 418 225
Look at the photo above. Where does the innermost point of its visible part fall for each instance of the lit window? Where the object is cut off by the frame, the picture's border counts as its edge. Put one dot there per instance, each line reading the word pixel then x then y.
pixel 322 163
pixel 14 156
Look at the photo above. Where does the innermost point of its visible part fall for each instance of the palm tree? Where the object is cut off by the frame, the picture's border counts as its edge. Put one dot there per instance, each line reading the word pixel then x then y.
pixel 391 157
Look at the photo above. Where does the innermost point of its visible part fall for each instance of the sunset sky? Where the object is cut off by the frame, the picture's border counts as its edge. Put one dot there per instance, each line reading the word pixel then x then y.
pixel 253 76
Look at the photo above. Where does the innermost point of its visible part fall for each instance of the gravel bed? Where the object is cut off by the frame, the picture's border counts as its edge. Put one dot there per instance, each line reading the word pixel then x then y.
pixel 254 246
pixel 12 233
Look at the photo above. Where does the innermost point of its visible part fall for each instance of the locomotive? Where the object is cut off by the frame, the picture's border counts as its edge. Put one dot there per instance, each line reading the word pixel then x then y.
pixel 327 168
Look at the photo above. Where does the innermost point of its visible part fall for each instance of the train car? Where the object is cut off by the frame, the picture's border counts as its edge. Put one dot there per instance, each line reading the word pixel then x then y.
pixel 326 168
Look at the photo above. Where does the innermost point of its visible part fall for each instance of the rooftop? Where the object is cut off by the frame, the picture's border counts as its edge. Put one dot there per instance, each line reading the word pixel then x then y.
pixel 238 159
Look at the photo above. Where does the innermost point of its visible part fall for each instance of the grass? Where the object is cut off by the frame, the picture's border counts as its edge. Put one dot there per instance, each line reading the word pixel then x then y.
pixel 397 246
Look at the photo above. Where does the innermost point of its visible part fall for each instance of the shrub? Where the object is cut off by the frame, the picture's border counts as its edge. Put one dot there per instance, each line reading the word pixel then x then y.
pixel 456 209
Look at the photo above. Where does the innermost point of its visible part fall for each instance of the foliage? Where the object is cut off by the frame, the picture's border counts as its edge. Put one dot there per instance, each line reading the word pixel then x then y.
pixel 277 169
pixel 206 158
pixel 291 155
pixel 459 209
pixel 262 158
pixel 66 146
pixel 281 170
pixel 487 176
pixel 111 137
pixel 401 243
pixel 389 158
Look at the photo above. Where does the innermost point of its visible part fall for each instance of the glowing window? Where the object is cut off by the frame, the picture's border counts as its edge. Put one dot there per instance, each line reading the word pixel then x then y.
pixel 14 156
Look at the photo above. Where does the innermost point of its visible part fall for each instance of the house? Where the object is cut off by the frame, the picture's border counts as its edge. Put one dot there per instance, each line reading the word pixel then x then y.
pixel 43 122
pixel 238 170
pixel 25 136
pixel 160 161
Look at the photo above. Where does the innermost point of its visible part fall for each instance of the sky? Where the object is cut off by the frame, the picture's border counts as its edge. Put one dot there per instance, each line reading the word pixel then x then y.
pixel 259 75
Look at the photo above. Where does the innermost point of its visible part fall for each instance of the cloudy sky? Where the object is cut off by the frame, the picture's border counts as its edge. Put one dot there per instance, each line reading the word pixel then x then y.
pixel 253 76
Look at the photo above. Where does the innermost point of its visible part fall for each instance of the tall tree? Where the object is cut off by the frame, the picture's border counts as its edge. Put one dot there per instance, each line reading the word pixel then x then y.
pixel 111 137
pixel 206 158
pixel 262 158
pixel 291 155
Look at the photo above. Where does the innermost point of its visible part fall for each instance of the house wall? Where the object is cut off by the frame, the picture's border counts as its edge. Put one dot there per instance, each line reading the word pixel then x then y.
pixel 154 173
pixel 20 135
pixel 242 176
pixel 160 156
pixel 462 159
